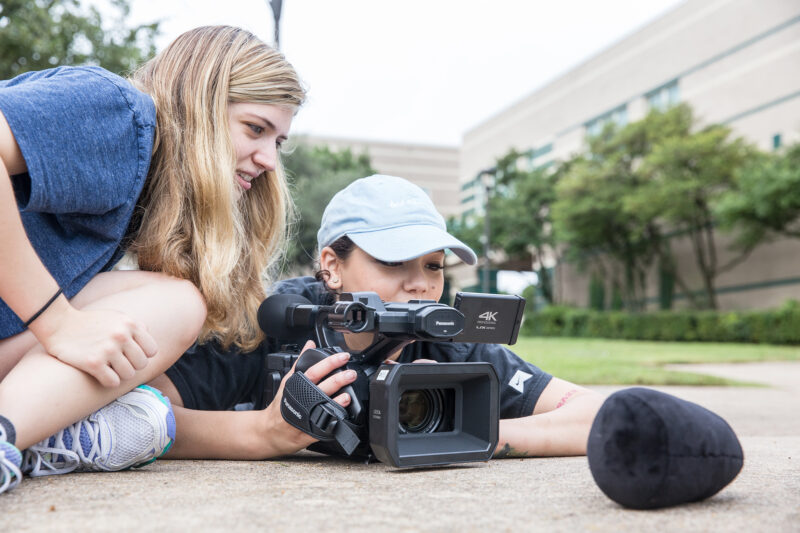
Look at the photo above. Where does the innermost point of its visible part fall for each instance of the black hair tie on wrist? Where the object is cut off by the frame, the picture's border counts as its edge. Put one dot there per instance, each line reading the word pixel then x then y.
pixel 43 308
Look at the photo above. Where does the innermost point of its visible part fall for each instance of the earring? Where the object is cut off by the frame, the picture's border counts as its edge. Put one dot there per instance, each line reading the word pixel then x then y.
pixel 334 280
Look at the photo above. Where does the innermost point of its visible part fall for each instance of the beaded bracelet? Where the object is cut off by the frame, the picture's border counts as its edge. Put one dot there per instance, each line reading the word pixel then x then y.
pixel 44 308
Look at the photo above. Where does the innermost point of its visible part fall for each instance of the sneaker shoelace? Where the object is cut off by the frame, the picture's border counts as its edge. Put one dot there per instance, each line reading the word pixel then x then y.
pixel 75 445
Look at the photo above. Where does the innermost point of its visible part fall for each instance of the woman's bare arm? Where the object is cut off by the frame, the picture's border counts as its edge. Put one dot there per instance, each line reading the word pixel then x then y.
pixel 559 425
pixel 107 345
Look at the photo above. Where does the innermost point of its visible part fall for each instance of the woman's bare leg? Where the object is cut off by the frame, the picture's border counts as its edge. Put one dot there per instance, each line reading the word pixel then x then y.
pixel 104 284
pixel 41 395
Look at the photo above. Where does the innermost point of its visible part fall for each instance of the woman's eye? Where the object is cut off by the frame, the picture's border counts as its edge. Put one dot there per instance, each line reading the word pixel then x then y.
pixel 389 263
pixel 255 128
pixel 436 266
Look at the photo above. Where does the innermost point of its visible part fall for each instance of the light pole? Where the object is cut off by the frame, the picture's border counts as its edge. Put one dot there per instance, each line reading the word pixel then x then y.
pixel 276 14
pixel 487 182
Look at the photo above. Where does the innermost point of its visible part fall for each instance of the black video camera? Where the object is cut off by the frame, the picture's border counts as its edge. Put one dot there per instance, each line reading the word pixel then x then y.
pixel 402 414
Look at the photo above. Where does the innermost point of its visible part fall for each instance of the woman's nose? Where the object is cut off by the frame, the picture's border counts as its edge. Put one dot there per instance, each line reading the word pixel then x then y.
pixel 266 157
pixel 416 282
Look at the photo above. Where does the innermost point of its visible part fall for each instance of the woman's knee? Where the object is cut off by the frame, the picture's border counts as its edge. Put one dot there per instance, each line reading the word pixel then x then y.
pixel 194 304
pixel 188 302
pixel 181 315
pixel 172 305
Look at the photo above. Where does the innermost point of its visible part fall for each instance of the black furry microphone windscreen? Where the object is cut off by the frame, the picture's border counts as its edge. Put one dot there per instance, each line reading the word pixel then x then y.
pixel 648 449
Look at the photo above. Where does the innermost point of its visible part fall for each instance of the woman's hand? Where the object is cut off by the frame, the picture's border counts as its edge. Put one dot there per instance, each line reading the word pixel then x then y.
pixel 106 344
pixel 285 438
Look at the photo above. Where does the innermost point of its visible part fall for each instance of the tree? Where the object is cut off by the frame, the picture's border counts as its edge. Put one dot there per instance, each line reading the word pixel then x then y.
pixel 41 34
pixel 315 174
pixel 639 183
pixel 520 215
pixel 590 219
pixel 686 175
pixel 468 229
pixel 765 201
pixel 519 210
pixel 593 214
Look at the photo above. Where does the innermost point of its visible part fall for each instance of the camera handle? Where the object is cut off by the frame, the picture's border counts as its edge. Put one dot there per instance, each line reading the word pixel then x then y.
pixel 310 410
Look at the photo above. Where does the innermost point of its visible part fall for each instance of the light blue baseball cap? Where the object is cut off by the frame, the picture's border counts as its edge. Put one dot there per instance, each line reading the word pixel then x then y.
pixel 389 218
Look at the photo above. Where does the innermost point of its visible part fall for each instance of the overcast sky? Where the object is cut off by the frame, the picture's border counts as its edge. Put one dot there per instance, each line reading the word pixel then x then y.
pixel 419 71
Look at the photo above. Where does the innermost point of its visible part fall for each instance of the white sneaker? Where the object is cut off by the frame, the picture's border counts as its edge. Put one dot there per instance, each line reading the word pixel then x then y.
pixel 132 431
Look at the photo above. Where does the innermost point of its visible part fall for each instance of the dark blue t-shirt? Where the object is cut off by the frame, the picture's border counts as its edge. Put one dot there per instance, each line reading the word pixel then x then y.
pixel 87 137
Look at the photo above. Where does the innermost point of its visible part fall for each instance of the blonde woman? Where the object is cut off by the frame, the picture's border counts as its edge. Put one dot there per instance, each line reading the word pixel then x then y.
pixel 179 165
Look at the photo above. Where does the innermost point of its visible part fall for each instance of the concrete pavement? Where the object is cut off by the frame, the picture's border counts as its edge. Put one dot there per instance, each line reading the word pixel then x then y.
pixel 309 491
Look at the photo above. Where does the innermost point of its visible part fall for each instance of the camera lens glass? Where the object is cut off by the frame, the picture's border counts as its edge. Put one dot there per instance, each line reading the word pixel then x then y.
pixel 420 410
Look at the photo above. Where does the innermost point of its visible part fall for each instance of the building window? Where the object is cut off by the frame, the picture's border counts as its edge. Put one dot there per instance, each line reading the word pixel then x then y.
pixel 468 185
pixel 617 116
pixel 536 153
pixel 776 141
pixel 542 150
pixel 664 97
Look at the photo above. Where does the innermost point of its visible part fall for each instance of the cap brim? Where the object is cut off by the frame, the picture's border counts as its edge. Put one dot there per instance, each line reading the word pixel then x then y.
pixel 403 243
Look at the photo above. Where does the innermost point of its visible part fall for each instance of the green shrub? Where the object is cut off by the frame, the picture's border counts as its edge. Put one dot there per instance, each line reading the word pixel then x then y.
pixel 774 326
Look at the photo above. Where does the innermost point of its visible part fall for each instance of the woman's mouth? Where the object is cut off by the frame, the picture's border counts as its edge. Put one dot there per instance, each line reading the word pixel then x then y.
pixel 244 180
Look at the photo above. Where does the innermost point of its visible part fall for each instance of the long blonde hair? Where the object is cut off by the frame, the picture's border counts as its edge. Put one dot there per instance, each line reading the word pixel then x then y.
pixel 195 224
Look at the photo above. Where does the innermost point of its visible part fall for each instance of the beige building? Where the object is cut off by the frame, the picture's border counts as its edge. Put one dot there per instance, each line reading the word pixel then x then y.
pixel 736 62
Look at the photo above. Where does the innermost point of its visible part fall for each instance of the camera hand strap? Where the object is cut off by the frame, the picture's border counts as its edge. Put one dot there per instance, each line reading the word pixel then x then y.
pixel 313 412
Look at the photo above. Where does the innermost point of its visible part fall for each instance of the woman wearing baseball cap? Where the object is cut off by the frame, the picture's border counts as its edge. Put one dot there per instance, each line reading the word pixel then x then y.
pixel 380 234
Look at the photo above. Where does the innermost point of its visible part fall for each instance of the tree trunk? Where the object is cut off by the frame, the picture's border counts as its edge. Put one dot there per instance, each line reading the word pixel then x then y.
pixel 665 258
pixel 696 235
pixel 545 281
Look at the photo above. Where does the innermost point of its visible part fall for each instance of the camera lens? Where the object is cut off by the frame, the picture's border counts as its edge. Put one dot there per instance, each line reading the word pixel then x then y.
pixel 420 410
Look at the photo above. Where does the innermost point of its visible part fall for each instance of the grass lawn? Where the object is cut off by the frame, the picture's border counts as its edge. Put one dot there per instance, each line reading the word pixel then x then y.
pixel 616 362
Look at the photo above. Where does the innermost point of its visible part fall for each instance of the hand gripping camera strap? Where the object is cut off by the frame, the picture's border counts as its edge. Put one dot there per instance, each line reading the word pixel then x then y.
pixel 313 412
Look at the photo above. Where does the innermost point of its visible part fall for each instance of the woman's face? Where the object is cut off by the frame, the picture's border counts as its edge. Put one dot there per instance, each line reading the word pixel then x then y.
pixel 418 279
pixel 257 132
